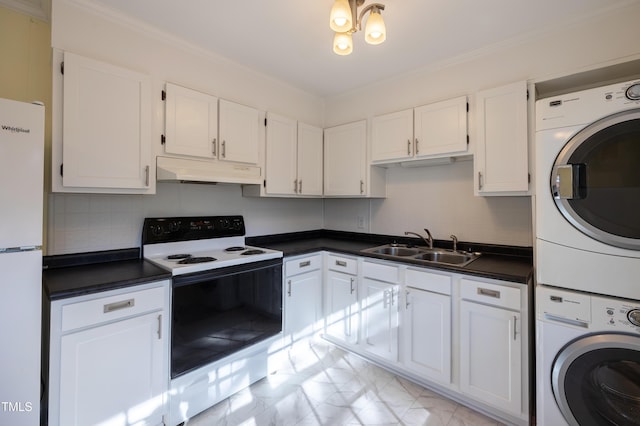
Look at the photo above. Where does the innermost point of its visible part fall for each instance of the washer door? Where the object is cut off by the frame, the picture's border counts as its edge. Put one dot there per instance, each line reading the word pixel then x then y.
pixel 595 180
pixel 596 380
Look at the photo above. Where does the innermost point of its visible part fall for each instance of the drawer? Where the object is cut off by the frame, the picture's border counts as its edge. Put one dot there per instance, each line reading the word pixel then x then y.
pixel 381 272
pixel 429 281
pixel 96 311
pixel 490 294
pixel 347 265
pixel 302 264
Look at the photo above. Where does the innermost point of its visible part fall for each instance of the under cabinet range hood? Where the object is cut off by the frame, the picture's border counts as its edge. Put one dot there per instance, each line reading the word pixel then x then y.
pixel 201 171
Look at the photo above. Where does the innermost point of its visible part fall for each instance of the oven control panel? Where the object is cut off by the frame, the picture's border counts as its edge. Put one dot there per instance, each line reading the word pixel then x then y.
pixel 174 229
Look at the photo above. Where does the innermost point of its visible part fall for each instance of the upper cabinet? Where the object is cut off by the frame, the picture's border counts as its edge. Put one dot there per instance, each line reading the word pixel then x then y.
pixel 430 131
pixel 293 158
pixel 101 128
pixel 346 171
pixel 199 125
pixel 191 122
pixel 501 154
pixel 239 133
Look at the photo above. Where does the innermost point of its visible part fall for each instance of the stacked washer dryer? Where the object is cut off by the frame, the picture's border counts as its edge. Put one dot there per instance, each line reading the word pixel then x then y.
pixel 587 208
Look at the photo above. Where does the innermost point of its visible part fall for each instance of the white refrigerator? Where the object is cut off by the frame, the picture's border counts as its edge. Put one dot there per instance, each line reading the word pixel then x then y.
pixel 21 198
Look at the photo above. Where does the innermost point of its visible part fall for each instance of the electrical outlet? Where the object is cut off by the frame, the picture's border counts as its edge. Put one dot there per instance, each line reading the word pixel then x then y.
pixel 360 222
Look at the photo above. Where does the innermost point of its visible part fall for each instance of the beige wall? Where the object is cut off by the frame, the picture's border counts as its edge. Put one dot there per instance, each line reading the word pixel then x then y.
pixel 25 69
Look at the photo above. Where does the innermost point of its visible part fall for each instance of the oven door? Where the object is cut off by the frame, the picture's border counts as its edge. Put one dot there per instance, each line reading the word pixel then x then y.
pixel 596 380
pixel 595 180
pixel 218 312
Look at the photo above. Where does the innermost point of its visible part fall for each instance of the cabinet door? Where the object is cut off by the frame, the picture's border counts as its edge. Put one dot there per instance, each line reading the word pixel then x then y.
pixel 427 334
pixel 191 122
pixel 106 126
pixel 490 355
pixel 380 318
pixel 303 304
pixel 341 309
pixel 310 150
pixel 239 133
pixel 281 155
pixel 501 155
pixel 113 373
pixel 441 128
pixel 344 159
pixel 392 136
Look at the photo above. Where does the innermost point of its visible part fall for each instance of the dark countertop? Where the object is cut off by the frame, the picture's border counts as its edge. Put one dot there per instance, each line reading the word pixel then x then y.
pixel 507 263
pixel 79 274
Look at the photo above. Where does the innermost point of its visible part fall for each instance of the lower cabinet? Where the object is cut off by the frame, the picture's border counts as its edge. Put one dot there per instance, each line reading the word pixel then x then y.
pixel 303 296
pixel 427 325
pixel 109 358
pixel 341 299
pixel 491 367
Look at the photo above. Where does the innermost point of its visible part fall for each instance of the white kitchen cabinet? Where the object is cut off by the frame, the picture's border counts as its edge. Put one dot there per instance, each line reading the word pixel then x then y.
pixel 109 357
pixel 293 157
pixel 303 297
pixel 491 345
pixel 346 170
pixel 380 310
pixel 238 132
pixel 426 325
pixel 501 154
pixel 191 122
pixel 341 307
pixel 101 127
pixel 429 131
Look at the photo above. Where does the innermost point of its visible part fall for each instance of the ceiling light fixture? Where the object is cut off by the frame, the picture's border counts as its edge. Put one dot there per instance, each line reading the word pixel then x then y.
pixel 343 21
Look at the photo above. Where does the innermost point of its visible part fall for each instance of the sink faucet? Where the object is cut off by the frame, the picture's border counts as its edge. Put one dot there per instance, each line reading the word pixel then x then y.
pixel 455 242
pixel 428 240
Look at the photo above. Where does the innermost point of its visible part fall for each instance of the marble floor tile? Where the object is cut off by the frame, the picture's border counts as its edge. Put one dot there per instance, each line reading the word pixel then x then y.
pixel 317 383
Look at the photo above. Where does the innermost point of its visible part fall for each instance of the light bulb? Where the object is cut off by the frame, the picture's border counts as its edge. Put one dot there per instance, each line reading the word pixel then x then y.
pixel 340 19
pixel 342 43
pixel 375 31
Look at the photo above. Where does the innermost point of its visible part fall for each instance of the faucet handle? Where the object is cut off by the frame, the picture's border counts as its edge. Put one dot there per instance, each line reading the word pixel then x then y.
pixel 455 242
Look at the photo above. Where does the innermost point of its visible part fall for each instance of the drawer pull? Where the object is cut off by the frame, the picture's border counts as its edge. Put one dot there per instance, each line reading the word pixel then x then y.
pixel 304 264
pixel 116 306
pixel 487 292
pixel 341 263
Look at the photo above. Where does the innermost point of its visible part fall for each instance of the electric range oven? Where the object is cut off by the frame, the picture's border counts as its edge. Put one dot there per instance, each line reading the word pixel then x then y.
pixel 226 305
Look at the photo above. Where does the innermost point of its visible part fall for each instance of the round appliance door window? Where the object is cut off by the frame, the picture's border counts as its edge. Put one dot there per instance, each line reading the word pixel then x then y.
pixel 595 181
pixel 596 380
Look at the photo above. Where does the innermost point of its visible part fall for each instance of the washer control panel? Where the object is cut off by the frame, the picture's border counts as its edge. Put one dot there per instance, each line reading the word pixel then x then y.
pixel 620 314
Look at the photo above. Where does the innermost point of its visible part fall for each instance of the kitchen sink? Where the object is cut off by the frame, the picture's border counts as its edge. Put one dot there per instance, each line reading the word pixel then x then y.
pixel 394 251
pixel 424 254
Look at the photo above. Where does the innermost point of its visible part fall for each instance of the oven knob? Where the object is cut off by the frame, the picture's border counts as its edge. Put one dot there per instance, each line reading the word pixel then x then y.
pixel 634 317
pixel 156 230
pixel 174 226
pixel 633 92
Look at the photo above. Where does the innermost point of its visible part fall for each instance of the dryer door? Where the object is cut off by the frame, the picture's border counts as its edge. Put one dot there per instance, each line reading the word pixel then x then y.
pixel 595 180
pixel 596 380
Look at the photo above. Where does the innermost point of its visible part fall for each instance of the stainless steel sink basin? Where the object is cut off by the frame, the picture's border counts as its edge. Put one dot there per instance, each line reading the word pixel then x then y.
pixel 424 254
pixel 395 251
pixel 452 258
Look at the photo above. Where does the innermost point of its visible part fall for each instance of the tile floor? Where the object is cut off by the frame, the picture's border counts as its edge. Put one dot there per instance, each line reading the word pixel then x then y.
pixel 320 384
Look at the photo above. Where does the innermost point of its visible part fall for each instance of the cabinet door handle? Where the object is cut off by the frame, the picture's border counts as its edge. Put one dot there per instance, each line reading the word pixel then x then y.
pixel 341 263
pixel 408 146
pixel 304 264
pixel 352 288
pixel 393 297
pixel 487 292
pixel 159 327
pixel 213 150
pixel 479 181
pixel 407 299
pixel 224 149
pixel 116 306
pixel 289 288
pixel 385 299
pixel 146 176
pixel 417 146
pixel 295 186
pixel 515 322
pixel 300 186
pixel 362 187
